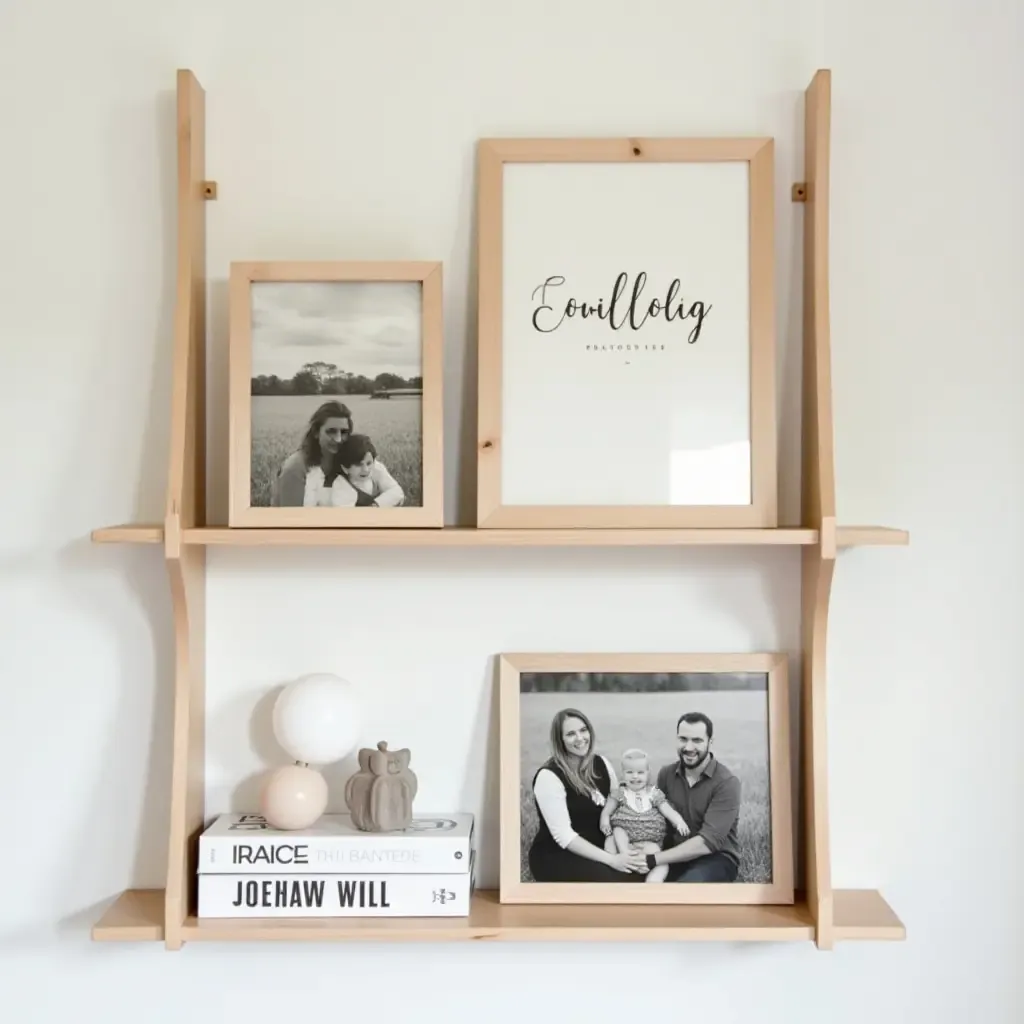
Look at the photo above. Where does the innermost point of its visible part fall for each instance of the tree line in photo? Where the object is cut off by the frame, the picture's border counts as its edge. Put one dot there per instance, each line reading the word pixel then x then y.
pixel 327 379
pixel 639 682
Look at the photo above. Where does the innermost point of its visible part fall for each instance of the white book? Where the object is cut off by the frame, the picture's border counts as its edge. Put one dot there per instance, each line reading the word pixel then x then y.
pixel 334 895
pixel 245 843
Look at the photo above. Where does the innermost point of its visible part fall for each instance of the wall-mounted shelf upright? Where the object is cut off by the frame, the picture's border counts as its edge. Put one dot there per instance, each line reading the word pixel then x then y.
pixel 821 913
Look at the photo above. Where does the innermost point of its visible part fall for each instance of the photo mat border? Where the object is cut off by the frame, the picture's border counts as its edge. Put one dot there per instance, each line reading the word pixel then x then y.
pixel 243 274
pixel 781 890
pixel 759 153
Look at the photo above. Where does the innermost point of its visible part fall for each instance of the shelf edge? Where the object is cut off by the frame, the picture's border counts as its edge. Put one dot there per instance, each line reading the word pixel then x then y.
pixel 871 536
pixel 129 533
pixel 459 536
pixel 137 915
pixel 468 536
pixel 864 915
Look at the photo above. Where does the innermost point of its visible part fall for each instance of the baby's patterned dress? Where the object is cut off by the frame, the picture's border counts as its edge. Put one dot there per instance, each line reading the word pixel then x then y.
pixel 638 816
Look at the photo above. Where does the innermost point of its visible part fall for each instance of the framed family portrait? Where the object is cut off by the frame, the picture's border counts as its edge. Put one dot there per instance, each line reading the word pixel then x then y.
pixel 336 394
pixel 626 333
pixel 645 778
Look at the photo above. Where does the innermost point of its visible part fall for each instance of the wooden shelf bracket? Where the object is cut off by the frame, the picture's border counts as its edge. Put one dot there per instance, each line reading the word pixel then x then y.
pixel 186 509
pixel 818 508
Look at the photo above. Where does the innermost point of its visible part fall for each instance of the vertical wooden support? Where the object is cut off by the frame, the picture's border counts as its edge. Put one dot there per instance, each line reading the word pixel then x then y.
pixel 186 500
pixel 818 503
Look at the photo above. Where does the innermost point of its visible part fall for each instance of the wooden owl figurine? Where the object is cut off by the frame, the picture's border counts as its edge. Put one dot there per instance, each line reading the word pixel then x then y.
pixel 380 795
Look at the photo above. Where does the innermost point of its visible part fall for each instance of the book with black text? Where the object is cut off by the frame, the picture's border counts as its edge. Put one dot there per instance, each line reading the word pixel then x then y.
pixel 433 843
pixel 336 895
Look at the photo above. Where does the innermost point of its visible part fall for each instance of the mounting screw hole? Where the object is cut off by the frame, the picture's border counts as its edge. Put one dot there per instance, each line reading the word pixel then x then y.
pixel 636 151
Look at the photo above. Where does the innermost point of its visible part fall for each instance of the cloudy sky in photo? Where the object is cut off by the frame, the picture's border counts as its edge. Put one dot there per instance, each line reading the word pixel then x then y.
pixel 364 327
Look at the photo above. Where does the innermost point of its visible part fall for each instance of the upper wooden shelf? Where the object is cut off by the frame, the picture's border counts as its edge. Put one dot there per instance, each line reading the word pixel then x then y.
pixel 860 914
pixel 468 536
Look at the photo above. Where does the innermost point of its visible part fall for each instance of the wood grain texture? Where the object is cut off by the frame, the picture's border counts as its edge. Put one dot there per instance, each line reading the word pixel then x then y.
pixel 816 587
pixel 128 533
pixel 472 537
pixel 819 490
pixel 782 888
pixel 861 915
pixel 186 566
pixel 462 536
pixel 818 508
pixel 779 891
pixel 763 419
pixel 239 392
pixel 490 920
pixel 652 149
pixel 866 536
pixel 762 511
pixel 335 270
pixel 818 505
pixel 137 915
pixel 430 513
pixel 681 661
pixel 626 517
pixel 188 600
pixel 489 318
pixel 186 482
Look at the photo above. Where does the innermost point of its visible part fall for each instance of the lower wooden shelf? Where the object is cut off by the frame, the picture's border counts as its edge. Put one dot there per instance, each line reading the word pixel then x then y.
pixel 860 914
pixel 137 915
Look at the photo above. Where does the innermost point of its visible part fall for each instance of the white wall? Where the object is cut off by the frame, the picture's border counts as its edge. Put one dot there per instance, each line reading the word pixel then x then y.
pixel 346 130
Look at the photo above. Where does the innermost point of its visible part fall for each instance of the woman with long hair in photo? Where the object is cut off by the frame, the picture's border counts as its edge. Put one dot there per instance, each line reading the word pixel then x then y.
pixel 570 790
pixel 328 427
pixel 308 475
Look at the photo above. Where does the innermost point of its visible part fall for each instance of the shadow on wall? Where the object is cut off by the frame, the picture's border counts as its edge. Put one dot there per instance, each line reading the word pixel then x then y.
pixel 245 726
pixel 128 813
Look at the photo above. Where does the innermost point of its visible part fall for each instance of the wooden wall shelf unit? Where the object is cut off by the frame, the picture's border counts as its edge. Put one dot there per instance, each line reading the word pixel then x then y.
pixel 821 914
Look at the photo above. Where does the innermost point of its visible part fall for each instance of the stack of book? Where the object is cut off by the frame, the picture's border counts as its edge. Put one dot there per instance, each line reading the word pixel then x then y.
pixel 249 869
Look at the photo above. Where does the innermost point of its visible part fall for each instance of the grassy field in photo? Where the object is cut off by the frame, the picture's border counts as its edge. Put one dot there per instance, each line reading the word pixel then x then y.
pixel 648 721
pixel 395 426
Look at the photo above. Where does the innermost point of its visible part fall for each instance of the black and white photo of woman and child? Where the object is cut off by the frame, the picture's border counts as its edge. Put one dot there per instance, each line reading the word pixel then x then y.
pixel 336 394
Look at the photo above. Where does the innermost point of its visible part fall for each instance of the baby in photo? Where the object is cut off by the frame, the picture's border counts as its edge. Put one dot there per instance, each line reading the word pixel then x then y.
pixel 636 815
pixel 362 480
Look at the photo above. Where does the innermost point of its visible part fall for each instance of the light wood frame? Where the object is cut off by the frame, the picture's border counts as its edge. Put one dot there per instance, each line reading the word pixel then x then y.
pixel 779 891
pixel 758 153
pixel 822 915
pixel 240 511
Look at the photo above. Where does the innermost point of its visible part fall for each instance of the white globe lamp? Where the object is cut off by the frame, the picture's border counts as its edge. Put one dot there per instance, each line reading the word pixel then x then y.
pixel 317 720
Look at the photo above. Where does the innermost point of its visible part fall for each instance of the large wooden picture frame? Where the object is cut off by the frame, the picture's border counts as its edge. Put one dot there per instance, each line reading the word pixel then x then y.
pixel 670 422
pixel 644 710
pixel 339 352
